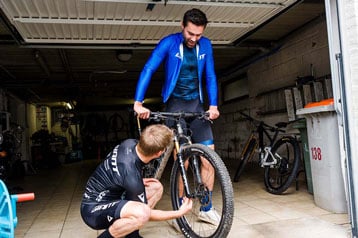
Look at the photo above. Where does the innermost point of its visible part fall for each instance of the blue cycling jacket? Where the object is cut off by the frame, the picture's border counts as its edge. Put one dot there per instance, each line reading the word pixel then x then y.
pixel 170 50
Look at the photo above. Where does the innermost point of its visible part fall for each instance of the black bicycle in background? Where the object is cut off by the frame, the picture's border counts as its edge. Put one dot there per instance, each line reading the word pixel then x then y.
pixel 186 178
pixel 280 157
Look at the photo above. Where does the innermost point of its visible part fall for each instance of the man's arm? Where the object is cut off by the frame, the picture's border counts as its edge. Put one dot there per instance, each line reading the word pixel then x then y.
pixel 156 58
pixel 160 215
pixel 142 111
pixel 145 77
pixel 211 84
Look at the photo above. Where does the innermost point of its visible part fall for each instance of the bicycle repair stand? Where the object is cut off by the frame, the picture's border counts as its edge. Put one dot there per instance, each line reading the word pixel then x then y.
pixel 8 218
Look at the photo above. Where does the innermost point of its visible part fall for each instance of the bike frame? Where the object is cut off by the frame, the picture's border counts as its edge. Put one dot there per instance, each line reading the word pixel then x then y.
pixel 262 130
pixel 265 151
pixel 245 150
pixel 180 140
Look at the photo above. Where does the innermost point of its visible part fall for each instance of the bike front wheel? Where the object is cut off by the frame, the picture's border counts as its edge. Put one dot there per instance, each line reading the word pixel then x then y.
pixel 217 181
pixel 279 176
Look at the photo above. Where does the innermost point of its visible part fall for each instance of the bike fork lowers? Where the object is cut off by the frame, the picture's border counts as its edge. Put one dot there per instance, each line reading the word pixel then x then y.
pixel 183 172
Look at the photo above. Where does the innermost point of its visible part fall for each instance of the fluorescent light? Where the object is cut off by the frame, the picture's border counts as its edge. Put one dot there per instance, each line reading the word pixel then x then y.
pixel 69 106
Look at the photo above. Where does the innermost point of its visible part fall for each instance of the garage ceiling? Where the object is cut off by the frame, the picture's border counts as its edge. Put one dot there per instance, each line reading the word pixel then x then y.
pixel 131 22
pixel 92 51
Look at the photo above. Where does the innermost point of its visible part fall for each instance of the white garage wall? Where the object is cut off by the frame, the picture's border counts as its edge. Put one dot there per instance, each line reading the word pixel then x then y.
pixel 348 22
pixel 302 54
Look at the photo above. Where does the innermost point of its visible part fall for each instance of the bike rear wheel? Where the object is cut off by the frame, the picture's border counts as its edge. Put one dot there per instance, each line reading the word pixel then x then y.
pixel 279 177
pixel 222 194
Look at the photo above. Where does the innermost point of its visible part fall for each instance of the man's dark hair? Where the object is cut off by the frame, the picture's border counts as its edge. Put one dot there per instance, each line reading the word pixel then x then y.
pixel 196 17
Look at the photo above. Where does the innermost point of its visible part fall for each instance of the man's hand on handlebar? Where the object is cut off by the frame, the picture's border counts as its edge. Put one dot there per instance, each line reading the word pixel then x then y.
pixel 213 112
pixel 141 111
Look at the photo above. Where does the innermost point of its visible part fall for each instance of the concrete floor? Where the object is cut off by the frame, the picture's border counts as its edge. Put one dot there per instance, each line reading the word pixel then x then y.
pixel 55 210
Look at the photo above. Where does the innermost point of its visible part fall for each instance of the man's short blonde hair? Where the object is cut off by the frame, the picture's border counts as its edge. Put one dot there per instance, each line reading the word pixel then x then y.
pixel 154 138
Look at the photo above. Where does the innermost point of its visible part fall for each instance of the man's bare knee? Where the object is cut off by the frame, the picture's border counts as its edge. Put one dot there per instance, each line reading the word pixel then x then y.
pixel 136 213
pixel 143 215
pixel 159 188
pixel 133 217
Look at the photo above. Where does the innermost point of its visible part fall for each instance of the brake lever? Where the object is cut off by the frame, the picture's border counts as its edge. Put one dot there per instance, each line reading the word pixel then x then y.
pixel 205 116
pixel 154 118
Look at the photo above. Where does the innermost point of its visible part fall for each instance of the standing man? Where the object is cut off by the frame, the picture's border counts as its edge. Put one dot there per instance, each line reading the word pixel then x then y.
pixel 117 198
pixel 186 55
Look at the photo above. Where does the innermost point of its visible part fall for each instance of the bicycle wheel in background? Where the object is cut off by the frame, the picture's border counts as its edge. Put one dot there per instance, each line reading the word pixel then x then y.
pixel 222 198
pixel 280 176
pixel 248 151
pixel 155 168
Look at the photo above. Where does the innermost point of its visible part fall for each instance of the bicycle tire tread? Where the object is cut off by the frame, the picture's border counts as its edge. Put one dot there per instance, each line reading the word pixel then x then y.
pixel 226 187
pixel 295 166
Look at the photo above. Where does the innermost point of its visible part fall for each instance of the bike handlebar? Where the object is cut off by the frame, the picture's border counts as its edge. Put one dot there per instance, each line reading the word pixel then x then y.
pixel 277 126
pixel 258 123
pixel 178 115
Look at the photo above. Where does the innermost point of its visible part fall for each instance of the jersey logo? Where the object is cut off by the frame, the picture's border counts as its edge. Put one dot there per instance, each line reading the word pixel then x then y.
pixel 114 160
pixel 109 218
pixel 201 57
pixel 101 195
pixel 178 55
pixel 128 151
pixel 141 197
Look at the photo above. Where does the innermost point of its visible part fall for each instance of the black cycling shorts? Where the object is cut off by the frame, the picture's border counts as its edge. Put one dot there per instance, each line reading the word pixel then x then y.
pixel 200 128
pixel 102 215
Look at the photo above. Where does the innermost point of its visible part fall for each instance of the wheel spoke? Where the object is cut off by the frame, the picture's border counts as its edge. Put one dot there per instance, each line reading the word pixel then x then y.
pixel 191 222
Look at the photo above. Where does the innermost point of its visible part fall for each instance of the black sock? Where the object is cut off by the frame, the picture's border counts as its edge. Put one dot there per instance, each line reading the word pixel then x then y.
pixel 105 234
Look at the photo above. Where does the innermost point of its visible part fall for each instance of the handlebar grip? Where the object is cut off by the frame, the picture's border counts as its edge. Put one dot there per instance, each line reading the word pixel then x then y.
pixel 23 197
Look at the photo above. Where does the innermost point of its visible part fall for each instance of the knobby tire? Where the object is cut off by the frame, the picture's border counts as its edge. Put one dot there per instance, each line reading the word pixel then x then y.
pixel 223 198
pixel 280 177
pixel 244 159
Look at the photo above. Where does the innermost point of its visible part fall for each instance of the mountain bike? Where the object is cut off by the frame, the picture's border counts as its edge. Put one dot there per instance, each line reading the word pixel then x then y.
pixel 280 158
pixel 186 178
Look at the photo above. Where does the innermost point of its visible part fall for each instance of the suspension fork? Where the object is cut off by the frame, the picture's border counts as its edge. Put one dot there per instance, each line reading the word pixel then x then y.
pixel 196 166
pixel 182 168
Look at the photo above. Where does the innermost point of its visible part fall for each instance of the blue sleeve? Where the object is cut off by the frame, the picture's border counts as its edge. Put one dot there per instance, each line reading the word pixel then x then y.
pixel 211 82
pixel 154 61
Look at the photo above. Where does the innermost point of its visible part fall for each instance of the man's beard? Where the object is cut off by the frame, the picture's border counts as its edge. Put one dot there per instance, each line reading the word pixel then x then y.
pixel 190 44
